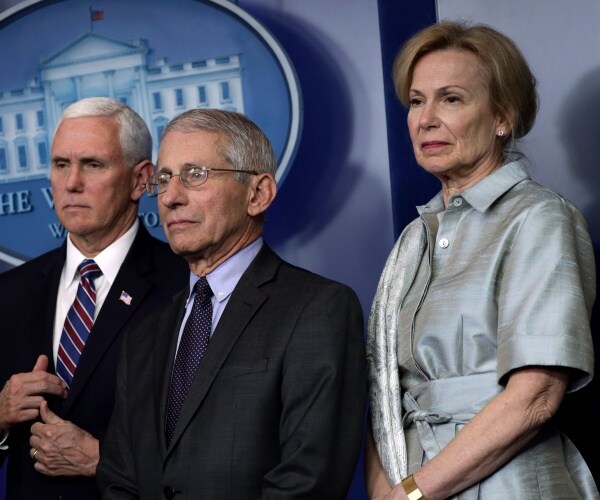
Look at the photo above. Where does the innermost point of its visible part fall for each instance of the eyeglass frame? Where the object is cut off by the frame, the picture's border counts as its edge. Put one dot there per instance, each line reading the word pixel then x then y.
pixel 152 181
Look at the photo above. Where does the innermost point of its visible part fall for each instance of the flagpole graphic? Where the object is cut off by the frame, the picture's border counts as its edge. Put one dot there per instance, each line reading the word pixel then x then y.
pixel 95 15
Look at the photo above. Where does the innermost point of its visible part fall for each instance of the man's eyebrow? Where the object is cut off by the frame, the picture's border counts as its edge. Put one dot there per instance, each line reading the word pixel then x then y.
pixel 167 169
pixel 85 159
pixel 88 159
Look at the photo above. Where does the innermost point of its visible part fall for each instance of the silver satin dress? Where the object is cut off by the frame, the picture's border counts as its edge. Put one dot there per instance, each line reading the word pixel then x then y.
pixel 507 281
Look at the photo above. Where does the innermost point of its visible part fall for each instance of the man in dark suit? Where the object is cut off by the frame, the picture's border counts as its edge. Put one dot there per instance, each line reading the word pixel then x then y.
pixel 276 401
pixel 50 428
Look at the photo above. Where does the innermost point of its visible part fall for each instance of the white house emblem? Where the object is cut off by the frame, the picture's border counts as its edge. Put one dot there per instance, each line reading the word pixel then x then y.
pixel 209 54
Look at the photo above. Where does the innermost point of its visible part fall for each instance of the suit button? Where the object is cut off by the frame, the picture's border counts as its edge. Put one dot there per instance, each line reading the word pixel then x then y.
pixel 169 492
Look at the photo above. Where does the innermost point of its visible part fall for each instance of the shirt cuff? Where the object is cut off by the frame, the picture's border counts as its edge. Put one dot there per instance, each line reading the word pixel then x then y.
pixel 3 440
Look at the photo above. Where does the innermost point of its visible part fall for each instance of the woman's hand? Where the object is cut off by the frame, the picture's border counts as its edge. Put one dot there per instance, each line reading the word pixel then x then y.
pixel 495 435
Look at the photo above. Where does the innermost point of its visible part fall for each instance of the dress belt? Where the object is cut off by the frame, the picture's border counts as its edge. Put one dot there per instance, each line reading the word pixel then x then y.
pixel 423 421
pixel 433 405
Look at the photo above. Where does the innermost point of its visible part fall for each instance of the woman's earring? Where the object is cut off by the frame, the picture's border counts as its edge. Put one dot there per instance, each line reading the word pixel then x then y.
pixel 500 133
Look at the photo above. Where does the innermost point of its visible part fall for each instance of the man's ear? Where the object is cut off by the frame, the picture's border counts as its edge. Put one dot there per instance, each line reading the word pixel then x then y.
pixel 141 172
pixel 261 193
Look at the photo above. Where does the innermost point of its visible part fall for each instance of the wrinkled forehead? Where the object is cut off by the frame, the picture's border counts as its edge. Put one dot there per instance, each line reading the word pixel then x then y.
pixel 197 147
pixel 87 137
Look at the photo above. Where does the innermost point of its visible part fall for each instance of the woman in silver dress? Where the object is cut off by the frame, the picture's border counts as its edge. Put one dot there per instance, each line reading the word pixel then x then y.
pixel 480 323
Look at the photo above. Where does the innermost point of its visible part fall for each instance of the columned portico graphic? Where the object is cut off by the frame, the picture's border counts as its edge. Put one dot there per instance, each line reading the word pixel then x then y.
pixel 96 65
pixel 181 55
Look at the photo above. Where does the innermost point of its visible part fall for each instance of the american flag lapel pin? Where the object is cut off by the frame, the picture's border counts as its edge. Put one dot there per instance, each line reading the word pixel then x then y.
pixel 125 298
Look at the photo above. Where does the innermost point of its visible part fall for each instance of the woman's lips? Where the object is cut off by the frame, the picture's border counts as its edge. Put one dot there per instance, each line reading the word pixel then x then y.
pixel 433 145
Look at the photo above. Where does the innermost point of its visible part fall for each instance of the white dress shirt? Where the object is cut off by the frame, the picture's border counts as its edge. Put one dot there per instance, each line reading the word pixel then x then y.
pixel 108 260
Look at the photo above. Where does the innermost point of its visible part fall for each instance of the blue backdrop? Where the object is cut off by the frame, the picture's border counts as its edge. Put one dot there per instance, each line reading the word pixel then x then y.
pixel 354 184
pixel 333 213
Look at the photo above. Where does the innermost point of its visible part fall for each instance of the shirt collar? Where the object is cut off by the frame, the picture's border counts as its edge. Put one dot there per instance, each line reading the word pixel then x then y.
pixel 225 277
pixel 108 260
pixel 483 194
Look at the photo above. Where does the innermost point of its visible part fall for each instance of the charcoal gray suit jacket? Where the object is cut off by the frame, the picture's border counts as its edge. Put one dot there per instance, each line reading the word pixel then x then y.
pixel 276 407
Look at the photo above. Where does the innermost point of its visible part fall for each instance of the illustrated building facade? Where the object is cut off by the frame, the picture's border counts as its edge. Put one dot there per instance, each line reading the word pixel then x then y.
pixel 95 65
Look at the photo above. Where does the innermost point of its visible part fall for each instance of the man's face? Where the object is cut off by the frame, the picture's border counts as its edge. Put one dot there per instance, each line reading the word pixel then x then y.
pixel 210 222
pixel 95 193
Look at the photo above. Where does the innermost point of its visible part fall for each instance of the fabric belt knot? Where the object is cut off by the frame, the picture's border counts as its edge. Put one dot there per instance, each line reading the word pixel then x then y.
pixel 430 418
pixel 193 345
pixel 425 419
pixel 78 323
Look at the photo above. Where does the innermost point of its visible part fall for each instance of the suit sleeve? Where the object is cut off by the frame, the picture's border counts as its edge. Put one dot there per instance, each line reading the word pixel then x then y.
pixel 323 399
pixel 115 473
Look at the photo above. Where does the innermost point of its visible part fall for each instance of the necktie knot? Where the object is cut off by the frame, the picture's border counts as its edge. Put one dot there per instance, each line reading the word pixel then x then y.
pixel 202 289
pixel 88 269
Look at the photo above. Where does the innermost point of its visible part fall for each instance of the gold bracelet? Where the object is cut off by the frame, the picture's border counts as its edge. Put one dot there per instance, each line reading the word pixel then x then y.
pixel 411 489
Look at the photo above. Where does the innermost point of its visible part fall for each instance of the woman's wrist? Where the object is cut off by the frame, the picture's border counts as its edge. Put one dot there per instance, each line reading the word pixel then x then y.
pixel 411 489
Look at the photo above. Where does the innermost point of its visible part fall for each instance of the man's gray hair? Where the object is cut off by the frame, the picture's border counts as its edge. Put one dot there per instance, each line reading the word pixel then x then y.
pixel 246 146
pixel 134 136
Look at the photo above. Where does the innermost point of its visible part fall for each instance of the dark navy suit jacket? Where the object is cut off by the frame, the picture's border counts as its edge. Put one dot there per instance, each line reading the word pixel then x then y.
pixel 151 274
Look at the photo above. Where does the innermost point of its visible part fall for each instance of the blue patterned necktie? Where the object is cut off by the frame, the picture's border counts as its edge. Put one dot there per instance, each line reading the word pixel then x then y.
pixel 192 347
pixel 78 323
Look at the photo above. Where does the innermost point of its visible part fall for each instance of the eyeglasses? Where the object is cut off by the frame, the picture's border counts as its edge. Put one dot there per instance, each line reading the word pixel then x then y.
pixel 191 176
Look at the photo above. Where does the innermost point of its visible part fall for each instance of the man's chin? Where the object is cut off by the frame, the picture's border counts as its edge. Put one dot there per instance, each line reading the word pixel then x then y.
pixel 182 251
pixel 79 228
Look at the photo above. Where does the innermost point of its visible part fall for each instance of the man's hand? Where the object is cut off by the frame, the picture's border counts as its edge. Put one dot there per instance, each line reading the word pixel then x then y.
pixel 23 393
pixel 60 448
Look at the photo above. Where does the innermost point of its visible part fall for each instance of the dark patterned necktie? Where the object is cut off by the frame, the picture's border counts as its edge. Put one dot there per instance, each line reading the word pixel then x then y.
pixel 192 347
pixel 78 323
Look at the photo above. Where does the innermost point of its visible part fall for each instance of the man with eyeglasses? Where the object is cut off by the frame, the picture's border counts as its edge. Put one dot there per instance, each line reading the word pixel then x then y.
pixel 268 400
pixel 58 380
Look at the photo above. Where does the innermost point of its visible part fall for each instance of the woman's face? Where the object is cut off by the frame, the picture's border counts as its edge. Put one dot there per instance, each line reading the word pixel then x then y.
pixel 451 123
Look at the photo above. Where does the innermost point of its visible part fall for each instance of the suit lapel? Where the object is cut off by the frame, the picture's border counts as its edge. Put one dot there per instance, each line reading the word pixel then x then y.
pixel 245 301
pixel 38 327
pixel 114 313
pixel 44 293
pixel 164 355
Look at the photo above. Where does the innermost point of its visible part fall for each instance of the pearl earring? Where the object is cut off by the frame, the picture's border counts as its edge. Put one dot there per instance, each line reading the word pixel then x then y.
pixel 500 133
